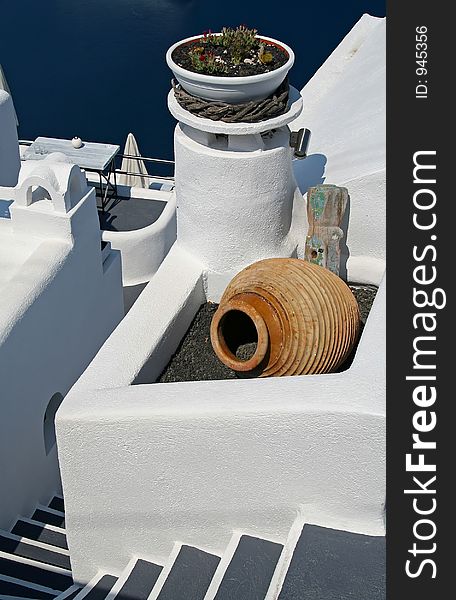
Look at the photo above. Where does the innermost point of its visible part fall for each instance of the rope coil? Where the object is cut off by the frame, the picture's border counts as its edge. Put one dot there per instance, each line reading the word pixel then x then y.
pixel 248 112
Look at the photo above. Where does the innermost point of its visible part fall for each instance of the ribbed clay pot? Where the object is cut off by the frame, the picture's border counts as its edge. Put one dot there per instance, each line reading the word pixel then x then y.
pixel 302 318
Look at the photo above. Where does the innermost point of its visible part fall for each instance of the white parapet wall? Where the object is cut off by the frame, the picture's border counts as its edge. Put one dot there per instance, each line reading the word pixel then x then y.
pixel 146 465
pixel 143 250
pixel 345 108
pixel 60 298
pixel 157 322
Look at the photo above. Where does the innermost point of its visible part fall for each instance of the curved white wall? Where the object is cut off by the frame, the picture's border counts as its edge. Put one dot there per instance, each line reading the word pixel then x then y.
pixel 9 146
pixel 143 250
pixel 234 203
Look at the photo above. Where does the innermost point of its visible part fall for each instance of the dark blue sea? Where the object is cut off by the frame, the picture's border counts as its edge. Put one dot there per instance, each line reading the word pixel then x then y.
pixel 96 68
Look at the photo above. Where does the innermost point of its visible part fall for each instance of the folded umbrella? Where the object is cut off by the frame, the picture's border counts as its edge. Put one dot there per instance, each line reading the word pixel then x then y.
pixel 133 165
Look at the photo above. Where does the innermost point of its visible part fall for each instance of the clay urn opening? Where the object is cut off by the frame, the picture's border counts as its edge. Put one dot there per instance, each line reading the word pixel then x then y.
pixel 239 336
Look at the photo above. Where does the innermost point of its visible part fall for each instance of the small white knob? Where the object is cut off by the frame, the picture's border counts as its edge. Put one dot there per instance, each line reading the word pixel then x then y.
pixel 76 142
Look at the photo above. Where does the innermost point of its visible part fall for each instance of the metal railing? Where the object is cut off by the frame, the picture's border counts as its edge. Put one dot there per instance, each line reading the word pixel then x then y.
pixel 161 161
pixel 143 176
pixel 157 160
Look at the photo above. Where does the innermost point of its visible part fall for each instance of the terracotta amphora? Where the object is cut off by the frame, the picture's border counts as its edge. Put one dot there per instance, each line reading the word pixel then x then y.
pixel 295 317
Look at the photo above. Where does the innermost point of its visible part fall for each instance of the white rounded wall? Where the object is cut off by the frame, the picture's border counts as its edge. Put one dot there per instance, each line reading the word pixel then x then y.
pixel 234 196
pixel 143 250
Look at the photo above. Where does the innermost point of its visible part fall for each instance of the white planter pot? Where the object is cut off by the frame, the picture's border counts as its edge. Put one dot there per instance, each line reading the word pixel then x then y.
pixel 230 89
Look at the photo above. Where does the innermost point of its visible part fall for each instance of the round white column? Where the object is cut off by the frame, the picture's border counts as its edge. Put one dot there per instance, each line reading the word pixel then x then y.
pixel 10 161
pixel 234 188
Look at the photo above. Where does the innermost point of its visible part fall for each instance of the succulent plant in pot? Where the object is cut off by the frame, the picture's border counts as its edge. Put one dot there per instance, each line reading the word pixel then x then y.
pixel 234 65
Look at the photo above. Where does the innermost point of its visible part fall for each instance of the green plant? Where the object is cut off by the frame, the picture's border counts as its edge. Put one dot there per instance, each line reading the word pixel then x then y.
pixel 239 41
pixel 264 56
pixel 225 53
pixel 206 61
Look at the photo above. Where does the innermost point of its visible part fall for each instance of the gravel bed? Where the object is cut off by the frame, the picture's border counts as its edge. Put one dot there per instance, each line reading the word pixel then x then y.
pixel 195 359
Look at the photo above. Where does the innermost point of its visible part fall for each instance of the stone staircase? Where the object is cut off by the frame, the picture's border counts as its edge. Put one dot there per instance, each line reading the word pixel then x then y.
pixel 34 557
pixel 315 563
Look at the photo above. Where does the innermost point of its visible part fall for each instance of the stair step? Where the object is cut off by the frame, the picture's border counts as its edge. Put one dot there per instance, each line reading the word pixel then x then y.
pixel 250 570
pixel 37 531
pixel 69 593
pixel 34 572
pixel 57 503
pixel 335 565
pixel 12 587
pixel 14 545
pixel 189 576
pixel 49 516
pixel 70 596
pixel 98 590
pixel 5 597
pixel 137 582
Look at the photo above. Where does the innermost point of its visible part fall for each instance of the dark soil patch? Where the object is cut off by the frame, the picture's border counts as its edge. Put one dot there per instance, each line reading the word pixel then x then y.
pixel 364 296
pixel 195 360
pixel 251 65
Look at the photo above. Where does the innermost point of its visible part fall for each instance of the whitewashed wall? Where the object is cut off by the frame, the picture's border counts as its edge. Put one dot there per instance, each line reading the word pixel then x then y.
pixel 234 204
pixel 143 250
pixel 345 108
pixel 60 298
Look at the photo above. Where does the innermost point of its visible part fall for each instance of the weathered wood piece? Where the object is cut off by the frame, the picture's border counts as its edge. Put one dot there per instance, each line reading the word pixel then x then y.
pixel 326 206
pixel 252 111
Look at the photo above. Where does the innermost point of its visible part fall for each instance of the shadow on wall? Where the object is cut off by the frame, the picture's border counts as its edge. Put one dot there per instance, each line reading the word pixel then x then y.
pixel 49 421
pixel 4 209
pixel 310 171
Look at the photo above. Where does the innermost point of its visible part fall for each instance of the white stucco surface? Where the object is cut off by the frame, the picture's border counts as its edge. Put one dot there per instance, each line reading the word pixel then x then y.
pixel 344 107
pixel 156 322
pixel 9 149
pixel 194 461
pixel 60 297
pixel 147 465
pixel 143 250
pixel 14 252
pixel 235 203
